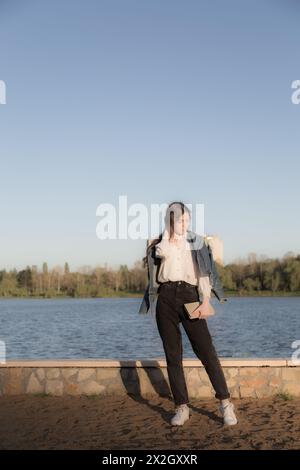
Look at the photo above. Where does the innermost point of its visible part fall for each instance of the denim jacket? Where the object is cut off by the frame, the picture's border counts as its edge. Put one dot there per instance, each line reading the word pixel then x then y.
pixel 204 257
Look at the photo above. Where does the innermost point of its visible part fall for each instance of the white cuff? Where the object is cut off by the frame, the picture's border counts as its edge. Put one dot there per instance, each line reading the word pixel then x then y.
pixel 205 286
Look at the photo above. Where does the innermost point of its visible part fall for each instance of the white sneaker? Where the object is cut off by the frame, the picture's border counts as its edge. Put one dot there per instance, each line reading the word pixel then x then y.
pixel 228 414
pixel 182 414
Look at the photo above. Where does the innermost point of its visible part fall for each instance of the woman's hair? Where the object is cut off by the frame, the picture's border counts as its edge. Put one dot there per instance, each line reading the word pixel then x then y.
pixel 174 210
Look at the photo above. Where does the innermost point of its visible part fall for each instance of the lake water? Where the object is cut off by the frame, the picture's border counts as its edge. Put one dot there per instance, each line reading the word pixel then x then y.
pixel 112 328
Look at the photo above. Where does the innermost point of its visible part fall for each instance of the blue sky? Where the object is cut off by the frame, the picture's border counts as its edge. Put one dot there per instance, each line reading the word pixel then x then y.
pixel 156 100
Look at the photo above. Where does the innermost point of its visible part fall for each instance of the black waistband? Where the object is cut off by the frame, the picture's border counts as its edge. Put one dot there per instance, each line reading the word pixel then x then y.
pixel 178 283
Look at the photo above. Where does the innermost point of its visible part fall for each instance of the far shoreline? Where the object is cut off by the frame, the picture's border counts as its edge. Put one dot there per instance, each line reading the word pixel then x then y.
pixel 140 296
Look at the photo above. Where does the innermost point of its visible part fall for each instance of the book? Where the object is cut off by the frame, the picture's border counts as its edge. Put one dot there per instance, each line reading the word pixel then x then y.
pixel 190 308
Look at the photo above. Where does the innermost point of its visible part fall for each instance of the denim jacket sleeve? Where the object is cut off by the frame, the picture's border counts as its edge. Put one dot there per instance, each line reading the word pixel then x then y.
pixel 150 295
pixel 211 271
pixel 145 305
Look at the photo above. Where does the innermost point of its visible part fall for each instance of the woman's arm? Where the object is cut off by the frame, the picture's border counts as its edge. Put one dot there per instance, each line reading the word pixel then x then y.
pixel 205 286
pixel 162 249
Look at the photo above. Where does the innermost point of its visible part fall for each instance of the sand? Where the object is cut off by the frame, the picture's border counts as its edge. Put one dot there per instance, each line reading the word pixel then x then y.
pixel 131 422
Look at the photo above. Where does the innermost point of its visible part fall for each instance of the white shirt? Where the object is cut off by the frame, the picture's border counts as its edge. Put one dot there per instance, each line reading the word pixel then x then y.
pixel 177 264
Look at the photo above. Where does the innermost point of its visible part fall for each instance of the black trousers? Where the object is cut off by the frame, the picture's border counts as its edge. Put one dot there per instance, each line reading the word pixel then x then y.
pixel 169 313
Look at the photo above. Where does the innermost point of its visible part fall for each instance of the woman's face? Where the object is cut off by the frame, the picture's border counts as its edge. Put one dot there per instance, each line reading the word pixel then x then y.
pixel 181 224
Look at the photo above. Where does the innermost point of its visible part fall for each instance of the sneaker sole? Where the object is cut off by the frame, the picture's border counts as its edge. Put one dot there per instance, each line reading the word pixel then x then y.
pixel 181 424
pixel 230 424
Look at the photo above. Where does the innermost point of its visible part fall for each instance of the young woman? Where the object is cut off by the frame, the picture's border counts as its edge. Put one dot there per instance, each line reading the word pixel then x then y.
pixel 180 282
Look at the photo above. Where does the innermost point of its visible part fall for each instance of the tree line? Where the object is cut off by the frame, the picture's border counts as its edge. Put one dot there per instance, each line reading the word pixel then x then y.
pixel 252 276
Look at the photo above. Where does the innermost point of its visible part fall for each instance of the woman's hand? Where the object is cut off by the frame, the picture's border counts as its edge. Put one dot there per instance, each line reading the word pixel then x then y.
pixel 205 309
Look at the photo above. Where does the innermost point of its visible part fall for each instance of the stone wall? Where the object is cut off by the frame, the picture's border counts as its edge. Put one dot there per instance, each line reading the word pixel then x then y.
pixel 245 377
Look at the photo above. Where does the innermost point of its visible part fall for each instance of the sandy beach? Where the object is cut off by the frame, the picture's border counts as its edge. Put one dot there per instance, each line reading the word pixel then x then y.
pixel 131 422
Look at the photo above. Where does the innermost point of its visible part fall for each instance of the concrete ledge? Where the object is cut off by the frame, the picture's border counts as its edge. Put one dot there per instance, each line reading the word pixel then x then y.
pixel 245 377
pixel 159 361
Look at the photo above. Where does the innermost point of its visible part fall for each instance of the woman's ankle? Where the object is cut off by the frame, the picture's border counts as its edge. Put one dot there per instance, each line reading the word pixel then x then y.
pixel 225 401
